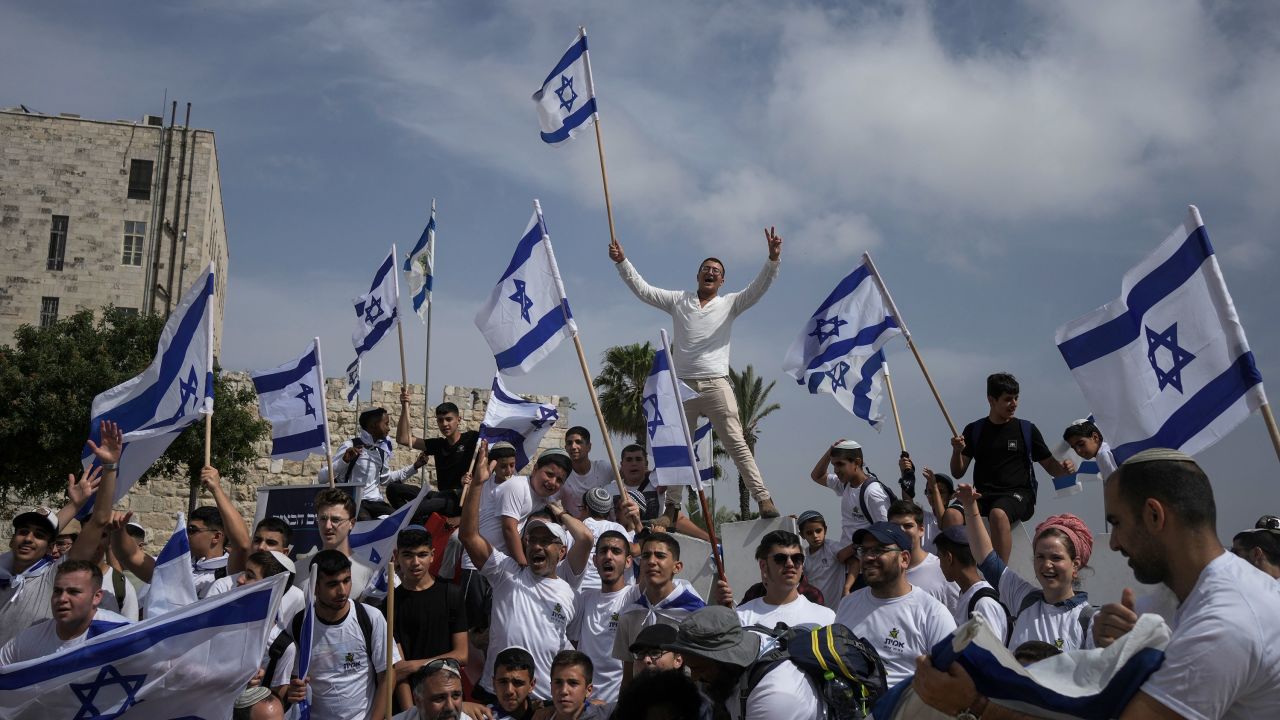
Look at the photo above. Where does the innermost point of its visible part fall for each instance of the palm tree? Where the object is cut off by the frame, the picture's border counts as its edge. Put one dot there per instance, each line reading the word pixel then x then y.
pixel 621 388
pixel 753 406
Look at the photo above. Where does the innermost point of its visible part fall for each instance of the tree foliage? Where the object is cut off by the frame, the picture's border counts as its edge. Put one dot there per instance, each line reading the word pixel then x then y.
pixel 753 407
pixel 49 377
pixel 620 385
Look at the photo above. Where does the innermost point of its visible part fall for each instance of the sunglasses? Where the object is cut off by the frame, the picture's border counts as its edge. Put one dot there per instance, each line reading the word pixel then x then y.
pixel 439 664
pixel 782 558
pixel 652 654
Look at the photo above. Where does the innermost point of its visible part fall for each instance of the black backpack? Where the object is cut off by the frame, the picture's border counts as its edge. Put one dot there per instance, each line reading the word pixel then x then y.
pixel 366 629
pixel 990 592
pixel 862 494
pixel 847 669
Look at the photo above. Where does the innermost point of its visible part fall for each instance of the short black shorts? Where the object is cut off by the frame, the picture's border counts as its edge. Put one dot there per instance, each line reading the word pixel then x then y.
pixel 1018 505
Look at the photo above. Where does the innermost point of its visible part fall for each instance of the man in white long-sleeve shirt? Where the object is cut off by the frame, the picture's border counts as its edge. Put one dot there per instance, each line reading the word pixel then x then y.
pixel 364 459
pixel 702 321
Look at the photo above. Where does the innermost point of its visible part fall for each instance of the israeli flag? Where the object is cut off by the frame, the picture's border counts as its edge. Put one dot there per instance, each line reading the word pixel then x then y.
pixel 567 99
pixel 374 541
pixel 1167 364
pixel 703 450
pixel 527 314
pixel 668 449
pixel 420 263
pixel 1086 470
pixel 377 311
pixel 174 391
pixel 291 397
pixel 838 351
pixel 521 422
pixel 173 582
pixel 197 659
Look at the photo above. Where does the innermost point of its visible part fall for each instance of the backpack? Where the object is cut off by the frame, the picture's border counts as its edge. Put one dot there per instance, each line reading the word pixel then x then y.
pixel 366 629
pixel 990 592
pixel 973 431
pixel 847 669
pixel 862 495
pixel 274 652
pixel 1035 596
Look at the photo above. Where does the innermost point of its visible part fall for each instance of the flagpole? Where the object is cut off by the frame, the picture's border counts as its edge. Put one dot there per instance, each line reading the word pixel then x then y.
pixel 471 466
pixel 693 459
pixel 1270 420
pixel 390 673
pixel 426 371
pixel 893 404
pixel 208 438
pixel 324 411
pixel 582 356
pixel 897 316
pixel 604 175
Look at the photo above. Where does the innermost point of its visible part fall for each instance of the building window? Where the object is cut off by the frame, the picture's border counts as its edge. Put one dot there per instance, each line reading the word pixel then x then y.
pixel 48 311
pixel 57 242
pixel 140 179
pixel 134 232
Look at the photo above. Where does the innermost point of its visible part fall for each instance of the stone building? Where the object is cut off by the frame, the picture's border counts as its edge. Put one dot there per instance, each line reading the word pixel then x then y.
pixel 105 212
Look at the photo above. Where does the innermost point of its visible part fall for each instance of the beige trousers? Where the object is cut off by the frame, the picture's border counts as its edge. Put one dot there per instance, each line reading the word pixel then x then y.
pixel 716 402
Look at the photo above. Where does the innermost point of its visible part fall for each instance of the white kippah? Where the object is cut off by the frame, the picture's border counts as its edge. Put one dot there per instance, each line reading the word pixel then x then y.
pixel 1154 454
pixel 284 560
pixel 847 445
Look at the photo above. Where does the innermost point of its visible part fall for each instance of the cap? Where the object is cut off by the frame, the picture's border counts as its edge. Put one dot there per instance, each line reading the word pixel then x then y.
pixel 887 533
pixel 555 529
pixel 598 500
pixel 715 633
pixel 955 534
pixel 654 636
pixel 284 560
pixel 809 515
pixel 41 516
pixel 846 445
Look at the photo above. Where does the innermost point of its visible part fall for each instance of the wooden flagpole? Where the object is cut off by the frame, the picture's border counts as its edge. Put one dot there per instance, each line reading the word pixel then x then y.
pixel 426 372
pixel 208 438
pixel 893 404
pixel 1270 420
pixel 604 174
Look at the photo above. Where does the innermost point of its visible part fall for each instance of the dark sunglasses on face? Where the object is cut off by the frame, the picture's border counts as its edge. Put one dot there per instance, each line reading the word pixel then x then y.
pixel 782 558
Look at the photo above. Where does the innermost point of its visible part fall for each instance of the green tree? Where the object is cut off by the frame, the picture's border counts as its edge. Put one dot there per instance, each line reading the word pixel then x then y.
pixel 753 406
pixel 620 385
pixel 49 377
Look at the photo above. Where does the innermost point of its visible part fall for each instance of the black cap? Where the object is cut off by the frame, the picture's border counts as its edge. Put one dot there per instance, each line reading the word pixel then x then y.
pixel 654 636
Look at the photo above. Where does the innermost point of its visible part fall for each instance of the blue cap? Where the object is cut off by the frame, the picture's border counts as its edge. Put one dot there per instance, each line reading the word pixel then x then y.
pixel 956 534
pixel 887 533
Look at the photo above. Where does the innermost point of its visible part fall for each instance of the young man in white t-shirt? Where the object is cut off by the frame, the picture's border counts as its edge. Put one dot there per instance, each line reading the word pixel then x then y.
pixel 857 488
pixel 822 565
pixel 595 616
pixel 599 506
pixel 335 518
pixel 924 571
pixel 781 567
pixel 77 591
pixel 658 597
pixel 977 596
pixel 584 474
pixel 1223 659
pixel 347 667
pixel 900 621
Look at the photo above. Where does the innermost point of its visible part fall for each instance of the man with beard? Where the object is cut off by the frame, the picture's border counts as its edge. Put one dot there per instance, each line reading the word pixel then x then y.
pixel 437 692
pixel 899 620
pixel 532 607
pixel 1223 659
pixel 595 617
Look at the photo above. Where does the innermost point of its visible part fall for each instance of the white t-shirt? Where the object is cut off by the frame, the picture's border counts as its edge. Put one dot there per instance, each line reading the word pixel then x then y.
pixel 223 585
pixel 1223 660
pixel 26 600
pixel 784 693
pixel 989 608
pixel 1059 624
pixel 529 611
pixel 575 486
pixel 490 525
pixel 42 638
pixel 851 517
pixel 361 573
pixel 928 577
pixel 1106 461
pixel 591 576
pixel 285 665
pixel 826 573
pixel 290 604
pixel 128 607
pixel 637 613
pixel 595 623
pixel 797 612
pixel 342 685
pixel 901 628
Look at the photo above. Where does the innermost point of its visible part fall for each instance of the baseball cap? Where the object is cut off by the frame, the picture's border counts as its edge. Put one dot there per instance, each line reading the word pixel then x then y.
pixel 887 533
pixel 72 528
pixel 39 516
pixel 561 536
pixel 655 636
pixel 955 534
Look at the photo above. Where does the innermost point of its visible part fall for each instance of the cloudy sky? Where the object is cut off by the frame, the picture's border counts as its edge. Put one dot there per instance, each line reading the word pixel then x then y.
pixel 1005 162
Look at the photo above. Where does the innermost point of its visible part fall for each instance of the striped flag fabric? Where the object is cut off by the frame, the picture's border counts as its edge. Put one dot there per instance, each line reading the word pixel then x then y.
pixel 521 422
pixel 420 263
pixel 173 582
pixel 668 450
pixel 291 397
pixel 566 101
pixel 377 311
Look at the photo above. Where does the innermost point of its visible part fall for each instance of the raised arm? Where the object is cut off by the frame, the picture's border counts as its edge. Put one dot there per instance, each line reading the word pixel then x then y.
pixel 934 496
pixel 87 543
pixel 819 472
pixel 979 539
pixel 404 434
pixel 233 523
pixel 478 549
pixel 657 297
pixel 752 293
pixel 128 552
pixel 583 540
pixel 79 491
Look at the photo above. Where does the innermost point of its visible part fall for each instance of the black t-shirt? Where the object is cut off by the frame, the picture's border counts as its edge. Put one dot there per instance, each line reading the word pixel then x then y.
pixel 427 619
pixel 1000 456
pixel 451 460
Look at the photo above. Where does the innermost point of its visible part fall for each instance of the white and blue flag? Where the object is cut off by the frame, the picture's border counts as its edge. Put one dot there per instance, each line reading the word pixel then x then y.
pixel 186 664
pixel 668 446
pixel 511 418
pixel 374 541
pixel 527 314
pixel 839 349
pixel 174 391
pixel 377 311
pixel 173 581
pixel 703 449
pixel 567 99
pixel 1086 470
pixel 291 397
pixel 1167 364
pixel 420 263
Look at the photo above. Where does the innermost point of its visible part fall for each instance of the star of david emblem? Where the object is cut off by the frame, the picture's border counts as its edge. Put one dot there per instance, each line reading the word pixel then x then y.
pixel 837 374
pixel 544 415
pixel 834 324
pixel 374 557
pixel 189 389
pixel 566 83
pixel 307 390
pixel 108 677
pixel 522 300
pixel 656 422
pixel 1180 357
pixel 373 311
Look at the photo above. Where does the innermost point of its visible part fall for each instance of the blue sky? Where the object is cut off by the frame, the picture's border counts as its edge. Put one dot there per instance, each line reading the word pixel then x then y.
pixel 1004 162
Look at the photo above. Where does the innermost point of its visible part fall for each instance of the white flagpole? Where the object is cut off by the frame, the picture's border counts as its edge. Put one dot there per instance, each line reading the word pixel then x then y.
pixel 324 412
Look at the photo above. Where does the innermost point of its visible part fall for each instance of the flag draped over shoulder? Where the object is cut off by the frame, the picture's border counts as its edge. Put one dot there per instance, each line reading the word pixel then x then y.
pixel 173 582
pixel 521 422
pixel 667 449
pixel 420 263
pixel 375 540
pixel 189 662
pixel 377 311
pixel 838 351
pixel 527 314
pixel 1167 363
pixel 174 391
pixel 567 99
pixel 291 397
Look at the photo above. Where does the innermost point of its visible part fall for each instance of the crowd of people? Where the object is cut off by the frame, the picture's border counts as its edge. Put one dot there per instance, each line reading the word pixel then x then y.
pixel 556 593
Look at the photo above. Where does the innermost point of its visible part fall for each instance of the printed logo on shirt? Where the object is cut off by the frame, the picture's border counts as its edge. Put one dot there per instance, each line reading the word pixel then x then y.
pixel 613 621
pixel 349 662
pixel 1012 446
pixel 557 614
pixel 1059 642
pixel 892 640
